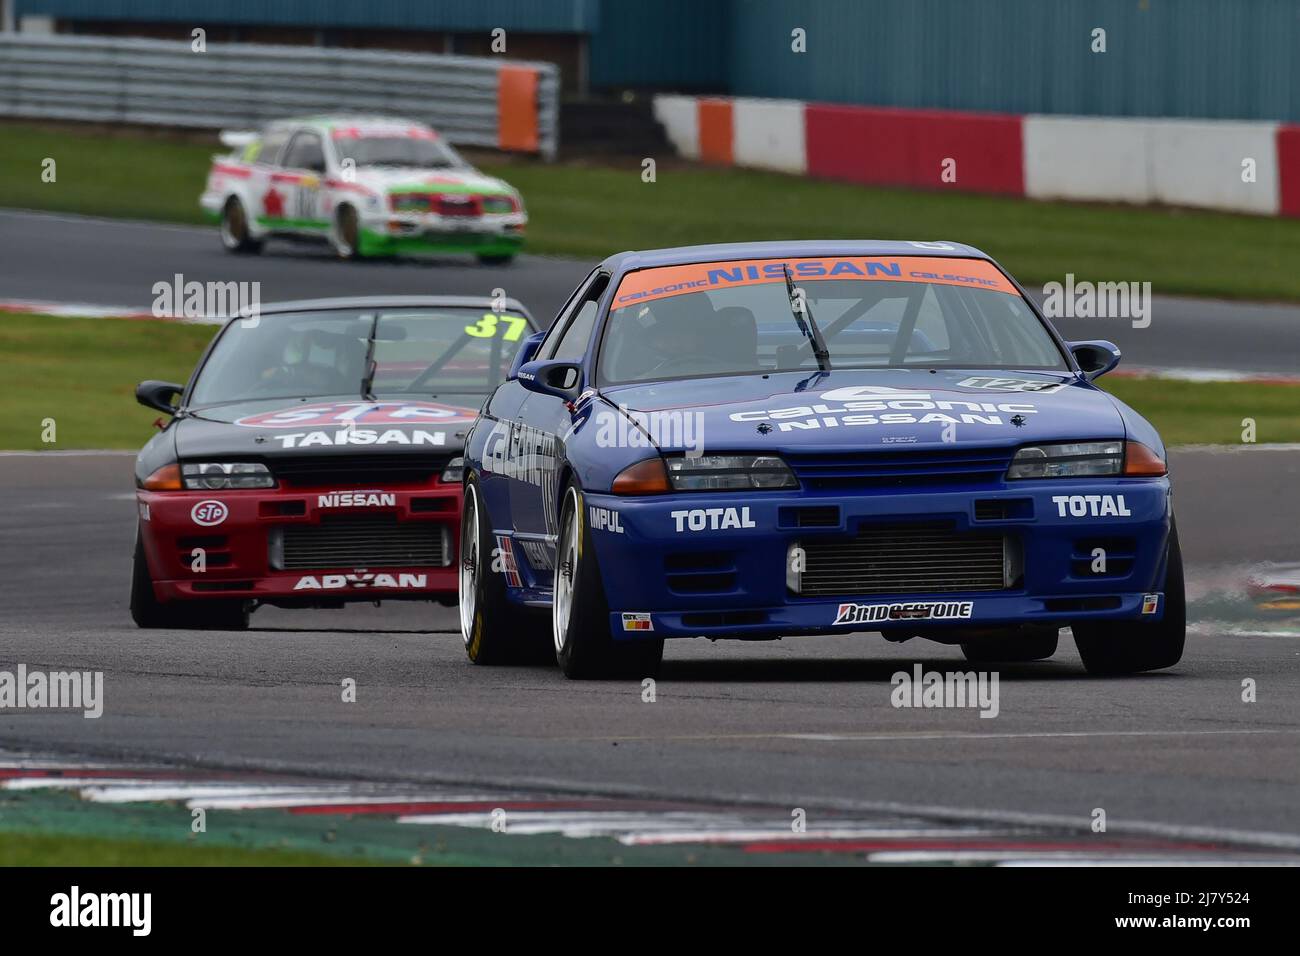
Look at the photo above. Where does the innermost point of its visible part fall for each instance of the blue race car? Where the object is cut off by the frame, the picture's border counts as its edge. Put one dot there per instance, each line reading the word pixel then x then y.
pixel 765 439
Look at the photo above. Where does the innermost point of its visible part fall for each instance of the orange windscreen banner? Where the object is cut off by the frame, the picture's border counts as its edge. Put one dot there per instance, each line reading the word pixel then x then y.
pixel 517 108
pixel 649 284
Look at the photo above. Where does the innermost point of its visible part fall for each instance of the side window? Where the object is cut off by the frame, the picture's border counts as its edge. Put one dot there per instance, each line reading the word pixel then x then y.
pixel 574 341
pixel 557 327
pixel 271 145
pixel 571 342
pixel 305 152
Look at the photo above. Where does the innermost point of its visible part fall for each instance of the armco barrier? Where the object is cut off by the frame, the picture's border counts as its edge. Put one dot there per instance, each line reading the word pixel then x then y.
pixel 476 101
pixel 1195 163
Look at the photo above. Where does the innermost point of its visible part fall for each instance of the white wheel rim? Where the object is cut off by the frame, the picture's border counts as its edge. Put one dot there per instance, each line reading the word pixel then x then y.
pixel 467 580
pixel 566 570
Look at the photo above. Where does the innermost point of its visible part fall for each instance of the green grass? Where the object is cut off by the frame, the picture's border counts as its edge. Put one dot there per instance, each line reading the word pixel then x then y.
pixel 81 851
pixel 1211 412
pixel 82 373
pixel 590 211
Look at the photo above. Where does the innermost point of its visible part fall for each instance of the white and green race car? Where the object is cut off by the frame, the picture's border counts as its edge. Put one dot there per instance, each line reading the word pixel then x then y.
pixel 370 186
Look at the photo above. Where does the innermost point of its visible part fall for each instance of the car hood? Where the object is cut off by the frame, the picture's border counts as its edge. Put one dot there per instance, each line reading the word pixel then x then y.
pixel 857 410
pixel 416 179
pixel 320 426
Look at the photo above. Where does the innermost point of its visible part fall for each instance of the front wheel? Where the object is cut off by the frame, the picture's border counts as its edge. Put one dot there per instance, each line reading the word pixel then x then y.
pixel 584 645
pixel 1128 647
pixel 495 630
pixel 345 235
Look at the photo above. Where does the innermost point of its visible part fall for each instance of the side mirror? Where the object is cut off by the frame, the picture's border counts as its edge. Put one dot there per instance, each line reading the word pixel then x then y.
pixel 551 377
pixel 525 354
pixel 1095 358
pixel 158 395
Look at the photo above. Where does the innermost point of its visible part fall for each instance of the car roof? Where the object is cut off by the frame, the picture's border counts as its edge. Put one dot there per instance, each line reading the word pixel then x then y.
pixel 804 248
pixel 348 119
pixel 392 302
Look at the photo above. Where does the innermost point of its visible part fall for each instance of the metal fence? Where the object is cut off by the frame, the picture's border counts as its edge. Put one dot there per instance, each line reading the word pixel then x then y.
pixel 166 83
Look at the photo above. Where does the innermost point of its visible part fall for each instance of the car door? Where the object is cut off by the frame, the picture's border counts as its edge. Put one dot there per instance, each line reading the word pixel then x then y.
pixel 544 422
pixel 296 188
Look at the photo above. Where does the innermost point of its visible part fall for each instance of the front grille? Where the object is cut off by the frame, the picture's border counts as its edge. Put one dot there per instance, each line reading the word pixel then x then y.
pixel 456 206
pixel 360 541
pixel 893 469
pixel 929 558
pixel 333 471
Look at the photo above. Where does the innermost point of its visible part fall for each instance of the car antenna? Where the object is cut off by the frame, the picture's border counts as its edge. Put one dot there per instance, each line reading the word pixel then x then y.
pixel 807 324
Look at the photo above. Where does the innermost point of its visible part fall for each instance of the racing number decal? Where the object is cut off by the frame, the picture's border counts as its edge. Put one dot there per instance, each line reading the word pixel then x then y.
pixel 490 325
pixel 306 198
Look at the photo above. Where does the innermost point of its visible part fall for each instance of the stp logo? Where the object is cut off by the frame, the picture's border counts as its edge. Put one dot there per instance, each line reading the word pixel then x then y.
pixel 341 414
pixel 207 513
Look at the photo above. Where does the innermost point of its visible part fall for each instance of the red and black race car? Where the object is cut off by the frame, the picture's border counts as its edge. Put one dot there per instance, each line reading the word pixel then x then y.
pixel 314 457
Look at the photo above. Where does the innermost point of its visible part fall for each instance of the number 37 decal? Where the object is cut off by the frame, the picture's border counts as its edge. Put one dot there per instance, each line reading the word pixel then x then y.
pixel 509 327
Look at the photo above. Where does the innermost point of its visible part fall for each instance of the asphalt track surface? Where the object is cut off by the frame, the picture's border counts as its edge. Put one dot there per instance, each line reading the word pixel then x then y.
pixel 802 722
pixel 110 262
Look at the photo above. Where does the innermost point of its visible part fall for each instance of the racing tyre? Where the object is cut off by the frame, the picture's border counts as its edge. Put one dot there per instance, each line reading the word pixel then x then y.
pixel 495 630
pixel 1127 647
pixel 1018 645
pixel 148 612
pixel 495 260
pixel 584 645
pixel 235 235
pixel 345 236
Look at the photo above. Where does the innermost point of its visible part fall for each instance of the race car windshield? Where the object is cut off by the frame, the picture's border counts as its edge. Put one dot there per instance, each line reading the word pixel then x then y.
pixel 442 352
pixel 397 150
pixel 734 318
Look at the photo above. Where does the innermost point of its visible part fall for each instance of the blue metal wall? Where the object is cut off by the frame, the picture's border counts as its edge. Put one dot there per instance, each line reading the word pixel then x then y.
pixel 1197 58
pixel 1193 58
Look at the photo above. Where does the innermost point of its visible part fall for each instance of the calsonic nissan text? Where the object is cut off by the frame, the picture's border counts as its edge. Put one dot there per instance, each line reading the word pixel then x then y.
pixel 315 457
pixel 367 185
pixel 756 440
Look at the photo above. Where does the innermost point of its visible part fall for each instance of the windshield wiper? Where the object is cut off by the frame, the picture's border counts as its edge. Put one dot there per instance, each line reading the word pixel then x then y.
pixel 799 308
pixel 368 380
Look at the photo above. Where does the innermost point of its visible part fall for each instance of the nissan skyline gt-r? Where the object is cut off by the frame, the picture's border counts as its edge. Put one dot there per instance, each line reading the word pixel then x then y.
pixel 784 438
pixel 370 186
pixel 314 458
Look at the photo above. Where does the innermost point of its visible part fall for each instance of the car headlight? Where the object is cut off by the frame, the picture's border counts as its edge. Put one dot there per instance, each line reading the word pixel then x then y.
pixel 226 475
pixel 1068 460
pixel 455 471
pixel 730 473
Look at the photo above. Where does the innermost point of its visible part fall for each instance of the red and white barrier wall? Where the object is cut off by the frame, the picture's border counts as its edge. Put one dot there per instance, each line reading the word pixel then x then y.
pixel 1198 163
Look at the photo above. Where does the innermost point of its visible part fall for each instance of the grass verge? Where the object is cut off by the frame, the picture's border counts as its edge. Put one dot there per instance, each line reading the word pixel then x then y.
pixel 80 851
pixel 591 211
pixel 83 372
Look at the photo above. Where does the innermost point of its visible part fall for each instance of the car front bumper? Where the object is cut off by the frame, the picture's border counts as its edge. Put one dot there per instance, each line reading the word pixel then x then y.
pixel 292 548
pixel 737 581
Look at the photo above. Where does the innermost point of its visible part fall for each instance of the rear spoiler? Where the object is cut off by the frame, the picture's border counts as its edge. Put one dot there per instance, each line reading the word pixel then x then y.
pixel 237 139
